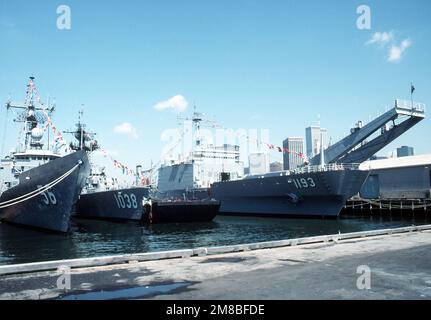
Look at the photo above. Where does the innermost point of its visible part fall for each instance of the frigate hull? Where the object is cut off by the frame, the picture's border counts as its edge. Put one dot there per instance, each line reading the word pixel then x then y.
pixel 322 193
pixel 121 204
pixel 50 210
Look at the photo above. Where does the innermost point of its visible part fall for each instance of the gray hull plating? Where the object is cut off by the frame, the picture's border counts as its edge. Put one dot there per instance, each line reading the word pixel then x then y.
pixel 52 210
pixel 122 204
pixel 182 194
pixel 307 194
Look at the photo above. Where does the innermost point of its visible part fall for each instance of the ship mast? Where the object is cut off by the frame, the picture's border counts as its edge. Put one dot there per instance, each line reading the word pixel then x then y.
pixel 31 115
pixel 85 138
pixel 198 119
pixel 81 128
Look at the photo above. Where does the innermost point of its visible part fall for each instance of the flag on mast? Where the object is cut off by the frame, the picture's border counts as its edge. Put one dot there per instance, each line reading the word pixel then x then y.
pixel 412 89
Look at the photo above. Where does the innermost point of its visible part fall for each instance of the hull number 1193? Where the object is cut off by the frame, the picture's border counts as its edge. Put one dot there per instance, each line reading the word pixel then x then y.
pixel 304 183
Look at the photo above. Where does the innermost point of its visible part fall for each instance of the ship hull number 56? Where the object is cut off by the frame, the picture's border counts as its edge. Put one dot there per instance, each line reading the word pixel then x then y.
pixel 125 200
pixel 48 197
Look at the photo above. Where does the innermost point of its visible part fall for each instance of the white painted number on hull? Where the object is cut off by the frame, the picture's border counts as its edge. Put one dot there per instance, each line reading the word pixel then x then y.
pixel 304 183
pixel 125 200
pixel 48 197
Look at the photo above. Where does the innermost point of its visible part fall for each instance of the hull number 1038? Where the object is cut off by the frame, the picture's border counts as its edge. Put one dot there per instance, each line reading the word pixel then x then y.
pixel 304 183
pixel 125 200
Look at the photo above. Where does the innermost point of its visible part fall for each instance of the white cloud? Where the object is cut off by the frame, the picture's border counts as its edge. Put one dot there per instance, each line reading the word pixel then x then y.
pixel 177 103
pixel 381 38
pixel 396 52
pixel 127 129
pixel 387 40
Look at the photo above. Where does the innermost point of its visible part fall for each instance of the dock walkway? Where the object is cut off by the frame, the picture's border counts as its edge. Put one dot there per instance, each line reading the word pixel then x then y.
pixel 324 267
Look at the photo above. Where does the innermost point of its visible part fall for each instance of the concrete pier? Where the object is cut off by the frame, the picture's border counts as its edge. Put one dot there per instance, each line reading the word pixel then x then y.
pixel 383 264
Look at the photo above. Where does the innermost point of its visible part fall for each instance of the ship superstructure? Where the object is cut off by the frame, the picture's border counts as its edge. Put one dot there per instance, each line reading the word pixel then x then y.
pixel 206 163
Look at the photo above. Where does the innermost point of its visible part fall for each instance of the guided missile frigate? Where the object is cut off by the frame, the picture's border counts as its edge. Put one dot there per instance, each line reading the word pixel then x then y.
pixel 40 183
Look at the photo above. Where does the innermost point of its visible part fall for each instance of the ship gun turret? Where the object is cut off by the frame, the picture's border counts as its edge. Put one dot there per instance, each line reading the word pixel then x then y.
pixel 357 147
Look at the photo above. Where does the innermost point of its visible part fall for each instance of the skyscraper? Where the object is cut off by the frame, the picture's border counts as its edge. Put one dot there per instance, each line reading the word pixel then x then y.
pixel 291 160
pixel 405 151
pixel 313 136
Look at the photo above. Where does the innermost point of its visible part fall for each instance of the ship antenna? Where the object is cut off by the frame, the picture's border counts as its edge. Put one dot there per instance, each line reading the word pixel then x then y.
pixel 80 126
pixel 197 121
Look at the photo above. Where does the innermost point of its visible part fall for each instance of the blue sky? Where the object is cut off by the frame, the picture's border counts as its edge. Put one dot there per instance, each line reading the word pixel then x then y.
pixel 250 64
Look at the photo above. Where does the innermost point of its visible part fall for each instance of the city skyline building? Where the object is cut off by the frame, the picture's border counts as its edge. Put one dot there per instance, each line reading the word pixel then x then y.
pixel 313 138
pixel 405 151
pixel 291 160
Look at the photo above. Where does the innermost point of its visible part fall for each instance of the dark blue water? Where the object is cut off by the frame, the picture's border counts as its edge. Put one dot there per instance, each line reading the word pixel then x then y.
pixel 98 238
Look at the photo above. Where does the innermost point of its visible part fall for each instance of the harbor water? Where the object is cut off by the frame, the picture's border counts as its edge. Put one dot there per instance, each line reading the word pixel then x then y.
pixel 91 238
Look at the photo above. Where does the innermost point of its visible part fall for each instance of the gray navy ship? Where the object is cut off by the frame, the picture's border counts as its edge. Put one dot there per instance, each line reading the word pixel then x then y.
pixel 308 191
pixel 189 177
pixel 40 186
pixel 102 197
pixel 322 187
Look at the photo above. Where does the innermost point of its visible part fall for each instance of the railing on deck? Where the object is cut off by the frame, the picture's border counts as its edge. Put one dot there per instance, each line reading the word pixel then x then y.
pixel 326 167
pixel 309 169
pixel 410 105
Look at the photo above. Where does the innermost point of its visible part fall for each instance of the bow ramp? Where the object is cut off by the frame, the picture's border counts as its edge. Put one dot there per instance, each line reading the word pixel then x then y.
pixel 365 140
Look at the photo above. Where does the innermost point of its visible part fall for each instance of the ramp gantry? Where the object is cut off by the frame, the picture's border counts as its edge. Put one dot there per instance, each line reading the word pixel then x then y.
pixel 355 148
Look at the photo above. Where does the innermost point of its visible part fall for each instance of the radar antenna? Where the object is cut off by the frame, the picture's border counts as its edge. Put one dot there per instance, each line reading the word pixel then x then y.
pixel 32 113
